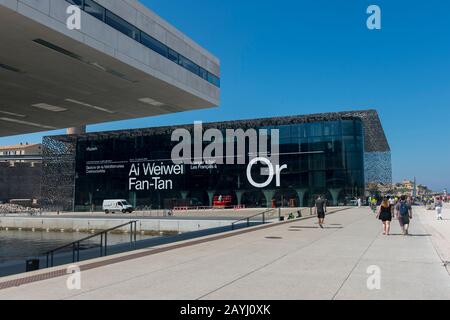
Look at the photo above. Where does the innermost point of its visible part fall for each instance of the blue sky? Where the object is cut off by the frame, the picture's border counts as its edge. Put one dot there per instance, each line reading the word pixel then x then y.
pixel 292 57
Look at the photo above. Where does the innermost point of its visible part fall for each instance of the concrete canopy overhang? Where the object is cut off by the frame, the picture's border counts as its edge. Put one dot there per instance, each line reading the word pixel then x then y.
pixel 49 81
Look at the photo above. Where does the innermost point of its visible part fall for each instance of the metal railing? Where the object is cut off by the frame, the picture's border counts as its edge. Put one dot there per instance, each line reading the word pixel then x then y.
pixel 263 214
pixel 103 243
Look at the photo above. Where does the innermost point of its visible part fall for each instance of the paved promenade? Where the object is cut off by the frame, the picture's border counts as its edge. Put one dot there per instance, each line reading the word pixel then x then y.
pixel 295 260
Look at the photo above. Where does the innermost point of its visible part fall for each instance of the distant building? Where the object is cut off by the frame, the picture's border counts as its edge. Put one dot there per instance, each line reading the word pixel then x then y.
pixel 23 152
pixel 408 185
pixel 423 190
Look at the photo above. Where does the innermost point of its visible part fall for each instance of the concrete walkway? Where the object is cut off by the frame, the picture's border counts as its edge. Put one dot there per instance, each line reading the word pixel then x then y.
pixel 440 230
pixel 289 261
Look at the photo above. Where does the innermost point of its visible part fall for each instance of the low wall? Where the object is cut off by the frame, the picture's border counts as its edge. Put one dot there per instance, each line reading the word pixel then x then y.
pixel 144 224
pixel 89 225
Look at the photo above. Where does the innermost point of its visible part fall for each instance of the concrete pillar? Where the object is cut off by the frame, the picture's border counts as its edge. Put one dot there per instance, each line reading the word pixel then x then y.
pixel 133 199
pixel 269 194
pixel 211 197
pixel 301 195
pixel 76 130
pixel 184 194
pixel 335 195
pixel 239 194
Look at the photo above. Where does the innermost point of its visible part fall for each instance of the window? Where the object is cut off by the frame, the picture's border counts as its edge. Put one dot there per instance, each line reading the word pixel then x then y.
pixel 318 179
pixel 203 74
pixel 332 128
pixel 348 128
pixel 116 22
pixel 354 160
pixel 153 44
pixel 213 79
pixel 173 56
pixel 315 129
pixel 76 2
pixel 350 143
pixel 188 64
pixel 94 9
pixel 121 25
pixel 299 130
pixel 359 128
pixel 285 134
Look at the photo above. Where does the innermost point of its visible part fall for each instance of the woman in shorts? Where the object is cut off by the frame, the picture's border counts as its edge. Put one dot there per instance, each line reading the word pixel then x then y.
pixel 385 215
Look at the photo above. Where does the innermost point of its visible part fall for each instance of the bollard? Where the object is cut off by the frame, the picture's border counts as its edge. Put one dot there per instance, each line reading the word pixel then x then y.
pixel 32 265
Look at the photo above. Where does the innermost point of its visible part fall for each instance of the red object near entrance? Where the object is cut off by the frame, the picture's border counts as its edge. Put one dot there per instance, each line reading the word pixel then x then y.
pixel 274 203
pixel 222 201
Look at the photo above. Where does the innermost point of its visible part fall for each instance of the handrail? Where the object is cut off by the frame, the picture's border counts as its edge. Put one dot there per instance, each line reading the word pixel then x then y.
pixel 103 241
pixel 248 218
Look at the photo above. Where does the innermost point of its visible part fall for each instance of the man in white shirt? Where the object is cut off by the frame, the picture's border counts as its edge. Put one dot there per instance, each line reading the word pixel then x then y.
pixel 392 205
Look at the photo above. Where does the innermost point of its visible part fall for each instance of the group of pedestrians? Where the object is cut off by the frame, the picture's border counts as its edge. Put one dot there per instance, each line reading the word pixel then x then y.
pixel 401 209
pixel 389 208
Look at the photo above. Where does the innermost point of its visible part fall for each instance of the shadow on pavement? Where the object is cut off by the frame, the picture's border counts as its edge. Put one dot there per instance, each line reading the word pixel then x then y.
pixel 314 227
pixel 410 235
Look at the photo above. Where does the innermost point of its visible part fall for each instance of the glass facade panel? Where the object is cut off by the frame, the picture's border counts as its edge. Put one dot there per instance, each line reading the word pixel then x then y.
pixel 348 128
pixel 315 129
pixel 327 163
pixel 332 128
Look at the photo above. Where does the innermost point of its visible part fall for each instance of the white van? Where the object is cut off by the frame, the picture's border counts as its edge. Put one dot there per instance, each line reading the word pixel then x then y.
pixel 117 205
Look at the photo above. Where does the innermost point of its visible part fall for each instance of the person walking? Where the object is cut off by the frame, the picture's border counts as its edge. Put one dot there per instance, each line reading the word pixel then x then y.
pixel 428 206
pixel 438 206
pixel 404 214
pixel 392 205
pixel 321 209
pixel 359 202
pixel 385 215
pixel 374 204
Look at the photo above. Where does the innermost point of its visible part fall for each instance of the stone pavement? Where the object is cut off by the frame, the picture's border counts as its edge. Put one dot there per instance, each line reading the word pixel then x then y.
pixel 440 230
pixel 296 260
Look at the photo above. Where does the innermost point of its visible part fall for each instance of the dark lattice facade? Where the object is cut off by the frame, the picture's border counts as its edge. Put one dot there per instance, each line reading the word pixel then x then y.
pixel 58 172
